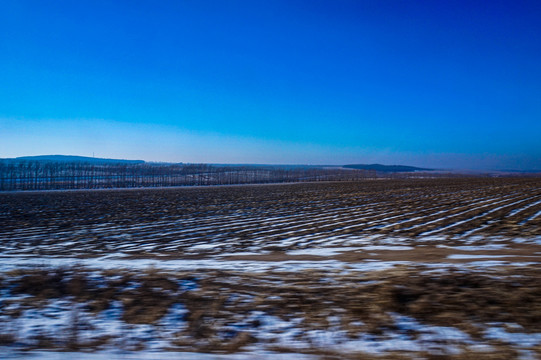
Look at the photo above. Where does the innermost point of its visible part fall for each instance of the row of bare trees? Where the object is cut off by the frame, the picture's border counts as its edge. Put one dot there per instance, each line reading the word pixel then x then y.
pixel 41 175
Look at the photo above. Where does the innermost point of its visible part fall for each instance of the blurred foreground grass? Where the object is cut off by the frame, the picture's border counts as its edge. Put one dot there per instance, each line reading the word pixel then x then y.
pixel 407 311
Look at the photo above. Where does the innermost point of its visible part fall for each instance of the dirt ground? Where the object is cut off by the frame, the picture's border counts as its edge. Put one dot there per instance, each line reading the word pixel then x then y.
pixel 418 268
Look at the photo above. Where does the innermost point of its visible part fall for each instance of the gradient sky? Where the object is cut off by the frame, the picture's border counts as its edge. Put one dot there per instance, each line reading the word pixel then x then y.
pixel 447 84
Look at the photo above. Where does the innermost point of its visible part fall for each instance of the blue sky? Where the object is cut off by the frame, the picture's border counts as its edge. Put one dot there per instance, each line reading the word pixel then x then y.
pixel 448 84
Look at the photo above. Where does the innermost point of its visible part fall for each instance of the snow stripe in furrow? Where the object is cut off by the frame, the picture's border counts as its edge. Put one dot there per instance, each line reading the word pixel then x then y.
pixel 408 218
pixel 275 219
pixel 165 228
pixel 287 226
pixel 510 223
pixel 328 220
pixel 281 226
pixel 310 221
pixel 368 223
pixel 251 225
pixel 516 211
pixel 466 204
pixel 482 227
pixel 469 208
pixel 470 219
pixel 531 218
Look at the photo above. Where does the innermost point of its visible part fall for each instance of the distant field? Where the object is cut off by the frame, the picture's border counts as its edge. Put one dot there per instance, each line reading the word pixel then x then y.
pixel 179 222
pixel 411 267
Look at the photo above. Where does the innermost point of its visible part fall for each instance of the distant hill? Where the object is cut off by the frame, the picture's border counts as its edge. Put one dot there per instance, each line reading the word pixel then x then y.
pixel 386 168
pixel 72 158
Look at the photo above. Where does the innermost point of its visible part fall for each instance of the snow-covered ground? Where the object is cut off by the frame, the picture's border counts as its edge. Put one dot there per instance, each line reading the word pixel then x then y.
pixel 284 239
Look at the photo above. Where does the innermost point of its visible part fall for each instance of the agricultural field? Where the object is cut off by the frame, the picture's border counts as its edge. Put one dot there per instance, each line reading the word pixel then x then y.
pixel 404 268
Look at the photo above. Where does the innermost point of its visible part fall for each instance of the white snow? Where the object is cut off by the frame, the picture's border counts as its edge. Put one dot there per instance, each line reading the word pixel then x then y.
pixel 9 354
pixel 476 256
pixel 387 247
pixel 515 338
pixel 475 248
pixel 329 251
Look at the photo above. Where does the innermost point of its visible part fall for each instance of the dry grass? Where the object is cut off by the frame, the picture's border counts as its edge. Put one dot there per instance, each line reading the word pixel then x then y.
pixel 364 302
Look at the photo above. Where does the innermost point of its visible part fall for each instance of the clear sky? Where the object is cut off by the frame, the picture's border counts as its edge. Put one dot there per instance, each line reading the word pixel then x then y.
pixel 448 84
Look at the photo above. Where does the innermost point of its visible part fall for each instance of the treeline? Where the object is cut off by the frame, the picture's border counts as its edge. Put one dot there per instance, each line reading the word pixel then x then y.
pixel 45 175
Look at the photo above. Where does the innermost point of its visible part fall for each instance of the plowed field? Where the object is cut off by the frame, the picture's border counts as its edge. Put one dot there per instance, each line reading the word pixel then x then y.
pixel 383 268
